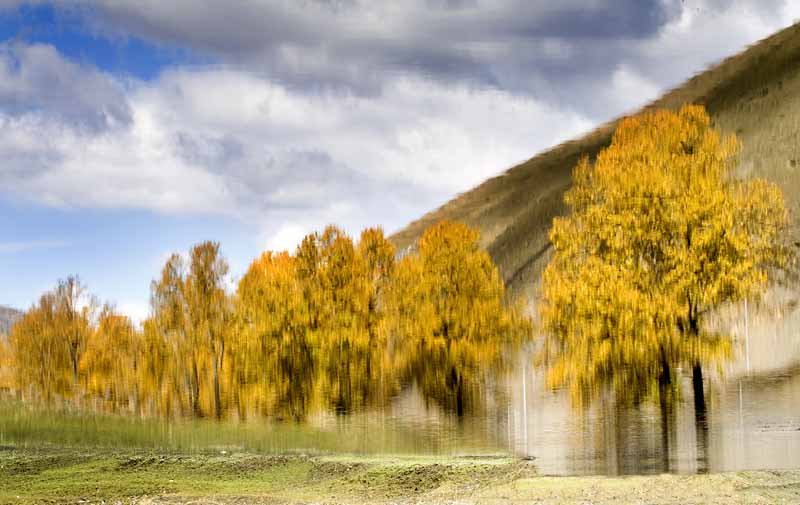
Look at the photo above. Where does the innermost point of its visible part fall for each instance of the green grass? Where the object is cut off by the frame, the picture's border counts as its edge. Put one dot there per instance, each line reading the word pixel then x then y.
pixel 51 456
pixel 63 475
pixel 25 425
pixel 56 474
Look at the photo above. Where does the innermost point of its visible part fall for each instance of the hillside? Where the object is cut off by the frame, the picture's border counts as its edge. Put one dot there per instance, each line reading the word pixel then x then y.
pixel 755 94
pixel 7 318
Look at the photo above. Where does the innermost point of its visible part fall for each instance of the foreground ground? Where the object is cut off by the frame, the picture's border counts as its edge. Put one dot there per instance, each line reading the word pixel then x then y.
pixel 50 475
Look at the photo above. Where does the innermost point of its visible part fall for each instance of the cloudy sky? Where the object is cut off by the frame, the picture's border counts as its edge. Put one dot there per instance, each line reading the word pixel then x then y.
pixel 130 129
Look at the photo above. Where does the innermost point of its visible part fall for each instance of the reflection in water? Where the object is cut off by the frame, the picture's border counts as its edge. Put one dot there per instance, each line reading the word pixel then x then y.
pixel 348 394
pixel 749 423
pixel 748 418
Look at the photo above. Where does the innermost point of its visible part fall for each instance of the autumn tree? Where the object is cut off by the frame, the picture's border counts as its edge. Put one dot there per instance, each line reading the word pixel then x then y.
pixel 345 346
pixel 169 322
pixel 74 309
pixel 338 325
pixel 192 311
pixel 159 372
pixel 274 356
pixel 451 318
pixel 312 324
pixel 660 233
pixel 340 283
pixel 40 358
pixel 48 342
pixel 378 255
pixel 110 365
pixel 6 366
pixel 209 308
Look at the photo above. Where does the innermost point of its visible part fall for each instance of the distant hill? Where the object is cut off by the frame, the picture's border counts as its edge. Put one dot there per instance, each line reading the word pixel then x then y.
pixel 755 94
pixel 7 317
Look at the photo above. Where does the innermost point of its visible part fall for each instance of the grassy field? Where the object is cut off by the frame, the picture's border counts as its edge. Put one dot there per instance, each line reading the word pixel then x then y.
pixel 755 94
pixel 72 457
pixel 23 425
pixel 58 475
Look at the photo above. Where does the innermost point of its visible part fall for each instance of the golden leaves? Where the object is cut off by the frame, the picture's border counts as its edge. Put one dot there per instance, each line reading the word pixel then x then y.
pixel 452 324
pixel 48 343
pixel 660 232
pixel 336 325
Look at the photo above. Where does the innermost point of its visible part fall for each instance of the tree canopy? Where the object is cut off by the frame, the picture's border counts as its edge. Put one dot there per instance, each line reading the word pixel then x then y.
pixel 661 232
pixel 338 325
pixel 453 322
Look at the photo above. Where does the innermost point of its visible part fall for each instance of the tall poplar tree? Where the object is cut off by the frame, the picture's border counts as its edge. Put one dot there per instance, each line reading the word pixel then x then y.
pixel 450 317
pixel 192 312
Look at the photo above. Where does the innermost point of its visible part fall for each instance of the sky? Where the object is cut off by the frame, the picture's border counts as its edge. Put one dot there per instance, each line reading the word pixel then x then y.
pixel 132 129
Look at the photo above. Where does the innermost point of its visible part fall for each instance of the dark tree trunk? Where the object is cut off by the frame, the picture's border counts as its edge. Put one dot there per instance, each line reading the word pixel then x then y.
pixel 457 384
pixel 195 391
pixel 700 419
pixel 664 384
pixel 699 394
pixel 217 396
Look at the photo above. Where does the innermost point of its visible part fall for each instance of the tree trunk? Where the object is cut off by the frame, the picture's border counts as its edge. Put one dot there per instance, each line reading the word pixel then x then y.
pixel 217 399
pixel 700 419
pixel 664 383
pixel 699 394
pixel 456 386
pixel 137 406
pixel 216 365
pixel 460 401
pixel 195 393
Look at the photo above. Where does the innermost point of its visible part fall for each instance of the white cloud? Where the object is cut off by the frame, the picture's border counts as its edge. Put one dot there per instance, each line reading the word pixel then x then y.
pixel 136 310
pixel 270 136
pixel 630 89
pixel 707 32
pixel 350 112
pixel 36 78
pixel 50 162
pixel 32 245
pixel 287 237
pixel 225 142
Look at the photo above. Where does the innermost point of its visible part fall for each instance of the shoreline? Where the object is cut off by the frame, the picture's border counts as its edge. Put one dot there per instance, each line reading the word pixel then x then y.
pixel 72 475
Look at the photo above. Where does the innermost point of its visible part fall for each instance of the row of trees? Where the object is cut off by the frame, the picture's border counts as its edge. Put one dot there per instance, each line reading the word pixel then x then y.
pixel 661 233
pixel 337 325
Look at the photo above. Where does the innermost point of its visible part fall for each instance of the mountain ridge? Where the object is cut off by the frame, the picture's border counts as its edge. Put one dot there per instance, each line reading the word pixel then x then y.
pixel 7 318
pixel 514 210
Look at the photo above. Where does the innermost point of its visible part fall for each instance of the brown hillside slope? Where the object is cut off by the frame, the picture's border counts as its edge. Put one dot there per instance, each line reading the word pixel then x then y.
pixel 755 94
pixel 7 318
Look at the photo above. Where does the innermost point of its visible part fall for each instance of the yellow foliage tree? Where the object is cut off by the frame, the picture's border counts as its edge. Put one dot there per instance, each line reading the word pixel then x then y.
pixel 338 325
pixel 110 365
pixel 161 378
pixel 451 320
pixel 345 344
pixel 209 310
pixel 6 366
pixel 48 342
pixel 169 323
pixel 312 325
pixel 660 233
pixel 275 359
pixel 193 315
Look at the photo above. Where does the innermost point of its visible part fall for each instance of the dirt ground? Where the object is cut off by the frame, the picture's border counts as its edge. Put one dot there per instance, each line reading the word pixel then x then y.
pixel 59 475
